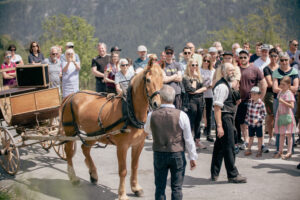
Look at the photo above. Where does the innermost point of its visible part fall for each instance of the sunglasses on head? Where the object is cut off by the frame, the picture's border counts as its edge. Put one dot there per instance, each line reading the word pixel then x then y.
pixel 282 60
pixel 186 53
pixel 194 65
pixel 242 57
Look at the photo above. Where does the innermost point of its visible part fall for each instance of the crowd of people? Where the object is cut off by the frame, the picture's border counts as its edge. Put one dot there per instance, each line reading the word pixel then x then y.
pixel 235 92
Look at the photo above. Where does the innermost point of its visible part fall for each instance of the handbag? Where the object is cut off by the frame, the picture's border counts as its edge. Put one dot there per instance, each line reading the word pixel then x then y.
pixel 284 120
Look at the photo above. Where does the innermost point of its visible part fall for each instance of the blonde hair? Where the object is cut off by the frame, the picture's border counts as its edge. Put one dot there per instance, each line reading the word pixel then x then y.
pixel 69 51
pixel 187 72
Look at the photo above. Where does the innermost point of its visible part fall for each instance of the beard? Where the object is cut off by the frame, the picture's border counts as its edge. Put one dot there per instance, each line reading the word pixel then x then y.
pixel 230 78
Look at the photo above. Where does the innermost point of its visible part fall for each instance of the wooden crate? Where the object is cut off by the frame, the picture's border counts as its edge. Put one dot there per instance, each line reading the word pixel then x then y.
pixel 32 75
pixel 30 107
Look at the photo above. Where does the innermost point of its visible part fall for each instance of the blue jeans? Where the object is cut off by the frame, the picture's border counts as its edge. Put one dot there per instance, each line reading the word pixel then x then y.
pixel 163 161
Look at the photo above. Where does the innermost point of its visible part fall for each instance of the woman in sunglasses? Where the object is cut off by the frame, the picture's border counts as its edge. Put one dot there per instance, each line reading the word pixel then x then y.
pixel 269 97
pixel 282 71
pixel 15 58
pixel 35 56
pixel 9 77
pixel 207 71
pixel 193 85
pixel 123 77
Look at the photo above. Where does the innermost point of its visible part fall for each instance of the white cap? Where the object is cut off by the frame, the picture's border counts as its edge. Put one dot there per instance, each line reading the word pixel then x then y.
pixel 255 89
pixel 70 44
pixel 212 50
pixel 142 48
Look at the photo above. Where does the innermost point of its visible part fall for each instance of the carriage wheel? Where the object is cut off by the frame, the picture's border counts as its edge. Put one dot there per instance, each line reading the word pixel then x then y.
pixel 9 155
pixel 60 149
pixel 47 144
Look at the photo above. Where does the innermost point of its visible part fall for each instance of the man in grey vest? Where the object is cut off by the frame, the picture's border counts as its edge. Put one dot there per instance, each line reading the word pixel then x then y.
pixel 171 133
pixel 225 100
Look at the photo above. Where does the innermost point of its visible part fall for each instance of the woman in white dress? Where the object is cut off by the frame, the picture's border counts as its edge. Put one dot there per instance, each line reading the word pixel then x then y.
pixel 70 74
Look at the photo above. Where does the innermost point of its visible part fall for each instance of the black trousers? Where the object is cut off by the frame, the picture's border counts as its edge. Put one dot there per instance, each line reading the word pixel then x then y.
pixel 224 148
pixel 208 108
pixel 195 113
pixel 178 101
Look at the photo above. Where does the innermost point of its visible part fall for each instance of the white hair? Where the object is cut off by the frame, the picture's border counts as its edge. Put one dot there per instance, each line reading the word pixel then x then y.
pixel 236 44
pixel 167 94
pixel 102 44
pixel 54 48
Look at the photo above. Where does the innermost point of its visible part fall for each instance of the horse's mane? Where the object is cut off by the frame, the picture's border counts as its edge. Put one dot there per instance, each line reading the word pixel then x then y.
pixel 138 78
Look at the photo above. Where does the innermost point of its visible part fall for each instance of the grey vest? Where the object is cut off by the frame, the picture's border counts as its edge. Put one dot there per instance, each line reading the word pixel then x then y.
pixel 166 132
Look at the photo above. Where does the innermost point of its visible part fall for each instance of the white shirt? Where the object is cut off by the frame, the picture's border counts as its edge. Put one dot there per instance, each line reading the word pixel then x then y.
pixel 184 124
pixel 221 93
pixel 207 76
pixel 261 64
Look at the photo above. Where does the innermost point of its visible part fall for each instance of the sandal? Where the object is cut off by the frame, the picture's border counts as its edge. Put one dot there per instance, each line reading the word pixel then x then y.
pixel 248 152
pixel 277 155
pixel 286 156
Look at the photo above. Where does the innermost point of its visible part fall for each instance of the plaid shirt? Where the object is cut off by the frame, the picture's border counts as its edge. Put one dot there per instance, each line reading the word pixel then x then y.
pixel 255 111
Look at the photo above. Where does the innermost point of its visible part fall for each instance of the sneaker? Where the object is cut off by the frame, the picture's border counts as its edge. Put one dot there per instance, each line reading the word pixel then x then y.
pixel 200 145
pixel 214 178
pixel 264 149
pixel 243 146
pixel 210 138
pixel 248 152
pixel 240 141
pixel 238 179
pixel 272 142
pixel 236 150
pixel 259 154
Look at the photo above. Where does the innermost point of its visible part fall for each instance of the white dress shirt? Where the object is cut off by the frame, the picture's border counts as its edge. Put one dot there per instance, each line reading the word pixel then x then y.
pixel 221 93
pixel 184 124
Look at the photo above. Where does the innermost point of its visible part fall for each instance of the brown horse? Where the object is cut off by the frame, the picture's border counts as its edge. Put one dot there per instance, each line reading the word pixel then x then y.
pixel 86 108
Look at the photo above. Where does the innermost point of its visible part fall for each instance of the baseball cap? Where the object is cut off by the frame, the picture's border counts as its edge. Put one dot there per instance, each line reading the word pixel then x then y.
pixel 70 44
pixel 243 51
pixel 227 53
pixel 169 48
pixel 265 47
pixel 142 48
pixel 212 50
pixel 255 89
pixel 115 48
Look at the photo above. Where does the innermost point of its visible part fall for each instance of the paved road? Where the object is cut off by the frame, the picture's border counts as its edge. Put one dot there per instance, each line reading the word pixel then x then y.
pixel 42 175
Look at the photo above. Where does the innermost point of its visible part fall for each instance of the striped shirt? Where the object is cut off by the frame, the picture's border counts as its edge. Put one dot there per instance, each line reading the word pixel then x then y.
pixel 255 111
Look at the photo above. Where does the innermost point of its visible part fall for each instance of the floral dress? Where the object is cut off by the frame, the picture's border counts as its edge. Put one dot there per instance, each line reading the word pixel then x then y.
pixel 282 110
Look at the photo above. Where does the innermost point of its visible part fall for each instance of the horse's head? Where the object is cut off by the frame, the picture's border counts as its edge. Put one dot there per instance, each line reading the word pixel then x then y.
pixel 153 80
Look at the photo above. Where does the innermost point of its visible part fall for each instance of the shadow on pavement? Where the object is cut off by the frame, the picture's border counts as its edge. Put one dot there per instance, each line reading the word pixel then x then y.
pixel 63 189
pixel 280 168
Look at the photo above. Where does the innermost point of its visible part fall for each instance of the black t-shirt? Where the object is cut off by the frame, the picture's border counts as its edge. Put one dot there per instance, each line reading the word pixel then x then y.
pixel 267 72
pixel 288 73
pixel 100 63
pixel 253 58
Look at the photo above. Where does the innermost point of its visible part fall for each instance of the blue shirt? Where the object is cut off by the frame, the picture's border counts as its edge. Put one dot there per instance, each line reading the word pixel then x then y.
pixel 139 63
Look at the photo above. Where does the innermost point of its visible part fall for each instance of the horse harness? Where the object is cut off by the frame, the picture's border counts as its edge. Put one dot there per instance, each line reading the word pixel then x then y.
pixel 128 117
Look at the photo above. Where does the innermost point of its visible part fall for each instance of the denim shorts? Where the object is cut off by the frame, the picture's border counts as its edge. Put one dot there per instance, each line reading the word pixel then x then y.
pixel 254 130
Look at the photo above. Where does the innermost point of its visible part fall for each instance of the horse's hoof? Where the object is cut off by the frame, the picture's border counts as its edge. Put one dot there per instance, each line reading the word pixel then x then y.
pixel 93 180
pixel 139 193
pixel 75 182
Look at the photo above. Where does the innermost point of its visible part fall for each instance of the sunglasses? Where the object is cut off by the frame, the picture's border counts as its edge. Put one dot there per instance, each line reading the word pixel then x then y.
pixel 124 65
pixel 273 56
pixel 206 61
pixel 186 53
pixel 296 45
pixel 169 53
pixel 13 50
pixel 243 58
pixel 7 56
pixel 194 65
pixel 54 54
pixel 282 60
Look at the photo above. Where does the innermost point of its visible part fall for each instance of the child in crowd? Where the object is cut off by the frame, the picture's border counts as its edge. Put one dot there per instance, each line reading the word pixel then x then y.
pixel 285 123
pixel 255 117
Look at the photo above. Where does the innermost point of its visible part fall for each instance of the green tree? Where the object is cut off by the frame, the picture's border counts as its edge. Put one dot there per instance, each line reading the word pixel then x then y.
pixel 58 30
pixel 265 26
